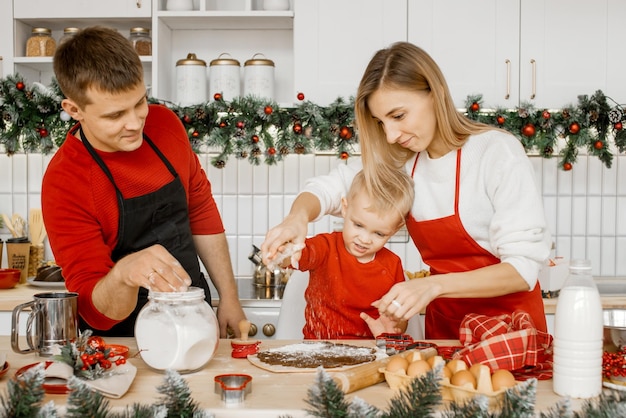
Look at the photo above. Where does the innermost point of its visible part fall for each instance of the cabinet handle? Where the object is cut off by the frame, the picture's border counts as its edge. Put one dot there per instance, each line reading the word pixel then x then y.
pixel 139 4
pixel 253 330
pixel 508 78
pixel 533 63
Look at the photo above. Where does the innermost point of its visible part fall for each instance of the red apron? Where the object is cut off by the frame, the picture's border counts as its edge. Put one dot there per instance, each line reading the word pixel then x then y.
pixel 446 247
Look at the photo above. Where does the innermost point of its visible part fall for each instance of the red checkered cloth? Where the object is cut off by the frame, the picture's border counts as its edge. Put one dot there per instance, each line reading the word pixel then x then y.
pixel 508 342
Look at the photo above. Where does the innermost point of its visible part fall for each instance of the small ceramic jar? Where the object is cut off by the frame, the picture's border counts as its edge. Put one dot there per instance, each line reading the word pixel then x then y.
pixel 224 77
pixel 190 81
pixel 259 77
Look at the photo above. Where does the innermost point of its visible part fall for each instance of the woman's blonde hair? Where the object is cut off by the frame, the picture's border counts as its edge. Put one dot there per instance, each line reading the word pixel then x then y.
pixel 398 187
pixel 404 66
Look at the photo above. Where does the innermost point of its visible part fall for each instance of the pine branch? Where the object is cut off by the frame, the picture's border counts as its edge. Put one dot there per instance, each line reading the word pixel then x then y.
pixel 326 398
pixel 82 401
pixel 421 398
pixel 24 395
pixel 177 397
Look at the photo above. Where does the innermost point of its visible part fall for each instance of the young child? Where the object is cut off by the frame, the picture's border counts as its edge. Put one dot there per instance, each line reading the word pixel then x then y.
pixel 348 270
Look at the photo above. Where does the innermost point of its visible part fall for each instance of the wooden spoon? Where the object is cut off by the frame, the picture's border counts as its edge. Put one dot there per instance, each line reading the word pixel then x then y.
pixel 9 225
pixel 36 226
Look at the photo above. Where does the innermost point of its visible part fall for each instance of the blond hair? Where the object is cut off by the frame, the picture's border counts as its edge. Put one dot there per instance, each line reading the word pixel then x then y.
pixel 407 67
pixel 96 57
pixel 399 189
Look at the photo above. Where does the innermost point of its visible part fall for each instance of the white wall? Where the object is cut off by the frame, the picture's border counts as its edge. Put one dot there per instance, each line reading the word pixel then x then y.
pixel 585 207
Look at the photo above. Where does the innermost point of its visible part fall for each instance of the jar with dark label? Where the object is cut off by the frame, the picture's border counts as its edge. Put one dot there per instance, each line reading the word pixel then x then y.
pixel 41 43
pixel 141 40
pixel 190 81
pixel 224 77
pixel 67 34
pixel 259 77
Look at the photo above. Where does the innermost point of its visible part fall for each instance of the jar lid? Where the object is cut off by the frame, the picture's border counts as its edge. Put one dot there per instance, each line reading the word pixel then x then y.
pixel 139 30
pixel 259 61
pixel 70 30
pixel 225 61
pixel 191 60
pixel 41 31
pixel 192 293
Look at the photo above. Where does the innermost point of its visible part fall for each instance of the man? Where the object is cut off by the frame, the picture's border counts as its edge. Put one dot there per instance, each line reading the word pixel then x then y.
pixel 126 204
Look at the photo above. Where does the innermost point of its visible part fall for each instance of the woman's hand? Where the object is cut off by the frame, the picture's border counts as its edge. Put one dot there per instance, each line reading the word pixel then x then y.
pixel 407 299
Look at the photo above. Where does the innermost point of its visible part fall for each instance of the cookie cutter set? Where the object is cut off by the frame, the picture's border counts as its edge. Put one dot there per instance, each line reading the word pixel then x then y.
pixel 233 388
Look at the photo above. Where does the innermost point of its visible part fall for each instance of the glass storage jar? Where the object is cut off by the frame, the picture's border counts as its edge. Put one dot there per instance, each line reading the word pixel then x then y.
pixel 141 40
pixel 177 331
pixel 41 43
pixel 67 34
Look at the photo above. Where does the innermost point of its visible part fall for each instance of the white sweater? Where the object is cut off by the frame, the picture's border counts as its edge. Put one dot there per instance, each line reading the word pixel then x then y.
pixel 499 203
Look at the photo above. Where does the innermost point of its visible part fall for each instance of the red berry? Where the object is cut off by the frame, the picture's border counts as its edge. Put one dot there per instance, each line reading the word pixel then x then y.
pixel 240 124
pixel 186 119
pixel 297 128
pixel 120 360
pixel 618 126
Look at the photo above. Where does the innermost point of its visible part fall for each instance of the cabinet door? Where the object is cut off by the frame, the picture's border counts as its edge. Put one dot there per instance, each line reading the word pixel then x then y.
pixel 334 41
pixel 23 9
pixel 475 43
pixel 568 44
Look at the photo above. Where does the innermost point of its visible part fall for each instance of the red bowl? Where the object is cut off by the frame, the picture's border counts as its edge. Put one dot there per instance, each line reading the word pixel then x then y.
pixel 9 278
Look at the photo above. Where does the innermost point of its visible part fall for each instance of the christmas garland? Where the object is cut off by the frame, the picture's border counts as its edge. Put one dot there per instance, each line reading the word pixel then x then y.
pixel 259 130
pixel 422 398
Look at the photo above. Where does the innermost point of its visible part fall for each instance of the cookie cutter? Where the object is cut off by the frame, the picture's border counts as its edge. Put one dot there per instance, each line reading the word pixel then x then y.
pixel 233 388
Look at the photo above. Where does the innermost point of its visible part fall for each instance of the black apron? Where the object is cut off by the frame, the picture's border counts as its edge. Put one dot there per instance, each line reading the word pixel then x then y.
pixel 160 217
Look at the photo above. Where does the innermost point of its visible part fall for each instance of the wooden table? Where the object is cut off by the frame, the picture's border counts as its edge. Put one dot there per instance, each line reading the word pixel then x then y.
pixel 273 394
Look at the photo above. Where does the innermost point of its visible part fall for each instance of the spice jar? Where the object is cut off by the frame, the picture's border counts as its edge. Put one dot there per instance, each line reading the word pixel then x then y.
pixel 67 34
pixel 177 331
pixel 190 81
pixel 141 40
pixel 41 43
pixel 259 77
pixel 224 77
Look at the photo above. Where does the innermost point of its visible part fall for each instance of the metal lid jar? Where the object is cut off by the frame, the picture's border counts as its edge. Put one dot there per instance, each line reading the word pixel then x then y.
pixel 224 77
pixel 190 80
pixel 41 43
pixel 177 331
pixel 259 77
pixel 67 34
pixel 141 40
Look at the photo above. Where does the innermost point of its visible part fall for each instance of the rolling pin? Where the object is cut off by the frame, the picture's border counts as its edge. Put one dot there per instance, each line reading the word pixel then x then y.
pixel 359 377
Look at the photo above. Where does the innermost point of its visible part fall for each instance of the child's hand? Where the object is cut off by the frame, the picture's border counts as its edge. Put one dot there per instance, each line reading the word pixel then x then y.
pixel 383 324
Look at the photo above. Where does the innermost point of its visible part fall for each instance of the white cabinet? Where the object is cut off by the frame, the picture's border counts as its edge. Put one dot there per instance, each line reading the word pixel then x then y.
pixel 513 51
pixel 334 41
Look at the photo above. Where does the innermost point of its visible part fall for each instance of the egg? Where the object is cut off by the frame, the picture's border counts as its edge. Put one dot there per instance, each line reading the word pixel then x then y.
pixel 456 365
pixel 418 368
pixel 463 378
pixel 397 364
pixel 501 379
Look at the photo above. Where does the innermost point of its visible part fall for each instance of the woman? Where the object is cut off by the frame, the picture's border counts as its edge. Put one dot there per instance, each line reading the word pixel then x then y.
pixel 477 218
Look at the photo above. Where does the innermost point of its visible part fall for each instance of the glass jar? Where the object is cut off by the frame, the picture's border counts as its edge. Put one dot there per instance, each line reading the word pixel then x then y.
pixel 177 331
pixel 41 43
pixel 141 40
pixel 67 34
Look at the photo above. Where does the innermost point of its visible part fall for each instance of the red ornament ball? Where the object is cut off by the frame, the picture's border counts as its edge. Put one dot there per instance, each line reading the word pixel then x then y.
pixel 297 128
pixel 345 132
pixel 186 119
pixel 195 134
pixel 500 119
pixel 344 155
pixel 567 166
pixel 528 130
pixel 43 132
pixel 618 126
pixel 222 124
pixel 271 150
pixel 268 110
pixel 598 145
pixel 20 86
pixel 475 107
pixel 574 128
pixel 300 96
pixel 217 96
pixel 546 114
pixel 255 138
pixel 240 124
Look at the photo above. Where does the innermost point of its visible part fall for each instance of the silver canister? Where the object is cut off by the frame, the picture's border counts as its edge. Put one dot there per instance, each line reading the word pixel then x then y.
pixel 224 77
pixel 190 81
pixel 259 77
